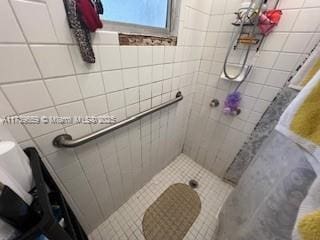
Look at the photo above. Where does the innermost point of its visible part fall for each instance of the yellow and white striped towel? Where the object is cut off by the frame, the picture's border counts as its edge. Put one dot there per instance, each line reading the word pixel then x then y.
pixel 301 123
pixel 301 120
pixel 307 71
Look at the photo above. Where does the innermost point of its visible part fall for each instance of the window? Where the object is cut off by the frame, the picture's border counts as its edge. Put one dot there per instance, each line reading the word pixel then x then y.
pixel 138 14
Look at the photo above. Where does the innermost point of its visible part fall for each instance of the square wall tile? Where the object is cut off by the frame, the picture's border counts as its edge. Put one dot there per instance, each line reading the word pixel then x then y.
pixel 232 6
pixel 60 21
pixel 132 96
pixel 116 100
pixel 43 128
pixel 105 38
pixel 74 109
pixel 156 89
pixel 130 77
pixel 261 106
pixel 110 57
pixel 259 75
pixel 119 114
pixel 7 18
pixel 218 7
pixel 18 64
pixel 145 75
pixel 145 92
pixel 254 117
pixel 145 105
pixel 277 78
pixel 266 59
pixel 113 80
pixel 215 22
pixel 290 4
pixel 167 85
pixel 38 28
pixel 53 60
pixel 211 39
pixel 156 101
pixel 19 132
pixel 62 159
pixel 157 73
pixel 133 109
pixel 158 54
pixel 297 42
pixel 227 19
pixel 203 6
pixel 253 90
pixel 208 53
pixel 64 89
pixel 28 96
pixel 129 56
pixel 169 52
pixel 275 41
pixel 91 84
pixel 307 19
pixel 145 55
pixel 96 105
pixel 287 61
pixel 224 39
pixel 5 108
pixel 311 3
pixel 268 93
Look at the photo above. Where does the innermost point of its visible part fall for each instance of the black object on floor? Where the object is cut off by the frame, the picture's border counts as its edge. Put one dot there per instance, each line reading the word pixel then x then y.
pixel 48 196
pixel 14 210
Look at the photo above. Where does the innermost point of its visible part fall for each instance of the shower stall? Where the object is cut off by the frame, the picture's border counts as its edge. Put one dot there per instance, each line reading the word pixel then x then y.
pixel 159 123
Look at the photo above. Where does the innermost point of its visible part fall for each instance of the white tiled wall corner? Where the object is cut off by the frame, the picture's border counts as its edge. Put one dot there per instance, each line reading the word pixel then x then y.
pixel 282 51
pixel 43 73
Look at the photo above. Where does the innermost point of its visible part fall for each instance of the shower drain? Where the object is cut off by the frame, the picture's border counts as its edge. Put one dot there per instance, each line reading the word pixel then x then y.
pixel 193 183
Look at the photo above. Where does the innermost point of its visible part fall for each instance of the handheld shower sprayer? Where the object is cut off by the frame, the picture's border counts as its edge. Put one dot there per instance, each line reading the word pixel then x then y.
pixel 249 16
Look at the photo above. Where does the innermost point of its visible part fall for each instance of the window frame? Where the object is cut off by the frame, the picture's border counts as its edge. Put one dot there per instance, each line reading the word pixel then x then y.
pixel 123 27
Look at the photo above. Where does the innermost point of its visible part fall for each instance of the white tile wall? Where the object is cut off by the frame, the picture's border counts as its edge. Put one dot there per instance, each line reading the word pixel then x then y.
pixel 53 60
pixel 28 96
pixel 207 138
pixel 39 28
pixel 63 90
pixel 91 84
pixel 12 33
pixel 110 57
pixel 41 72
pixel 13 56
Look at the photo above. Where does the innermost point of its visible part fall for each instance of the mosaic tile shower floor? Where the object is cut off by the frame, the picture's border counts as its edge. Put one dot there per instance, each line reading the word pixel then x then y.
pixel 126 222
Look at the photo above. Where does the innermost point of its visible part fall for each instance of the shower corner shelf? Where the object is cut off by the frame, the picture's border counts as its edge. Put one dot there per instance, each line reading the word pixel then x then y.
pixel 234 70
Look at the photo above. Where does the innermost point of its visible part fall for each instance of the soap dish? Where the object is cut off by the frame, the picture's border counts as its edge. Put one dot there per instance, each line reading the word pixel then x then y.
pixel 233 70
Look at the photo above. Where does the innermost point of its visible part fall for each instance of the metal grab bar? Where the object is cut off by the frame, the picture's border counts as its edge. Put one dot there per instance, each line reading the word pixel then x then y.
pixel 66 141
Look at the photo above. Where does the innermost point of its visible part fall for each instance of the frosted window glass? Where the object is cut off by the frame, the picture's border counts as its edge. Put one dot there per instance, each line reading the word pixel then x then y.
pixel 151 13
